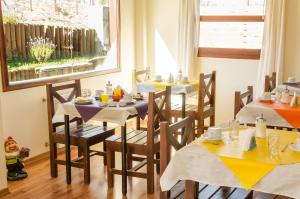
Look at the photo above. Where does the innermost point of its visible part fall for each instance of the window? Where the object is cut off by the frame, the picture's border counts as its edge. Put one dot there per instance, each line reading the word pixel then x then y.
pixel 57 40
pixel 231 29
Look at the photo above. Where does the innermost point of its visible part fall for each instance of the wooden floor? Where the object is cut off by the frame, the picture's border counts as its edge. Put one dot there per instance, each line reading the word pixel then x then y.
pixel 40 185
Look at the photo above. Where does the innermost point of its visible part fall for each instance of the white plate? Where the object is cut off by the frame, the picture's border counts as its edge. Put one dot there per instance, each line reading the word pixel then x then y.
pixel 295 147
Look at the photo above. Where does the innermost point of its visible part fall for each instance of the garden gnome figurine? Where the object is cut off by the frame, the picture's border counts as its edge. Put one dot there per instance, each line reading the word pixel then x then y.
pixel 14 160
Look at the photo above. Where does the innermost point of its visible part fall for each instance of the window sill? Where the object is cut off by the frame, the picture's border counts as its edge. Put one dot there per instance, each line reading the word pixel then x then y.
pixel 229 53
pixel 56 79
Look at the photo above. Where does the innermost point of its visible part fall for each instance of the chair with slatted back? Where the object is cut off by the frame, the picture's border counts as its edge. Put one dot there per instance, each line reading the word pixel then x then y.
pixel 168 139
pixel 140 76
pixel 205 107
pixel 242 99
pixel 142 143
pixel 189 189
pixel 270 82
pixel 81 135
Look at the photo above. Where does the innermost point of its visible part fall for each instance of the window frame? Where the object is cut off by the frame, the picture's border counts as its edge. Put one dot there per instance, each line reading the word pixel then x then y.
pixel 231 53
pixel 7 86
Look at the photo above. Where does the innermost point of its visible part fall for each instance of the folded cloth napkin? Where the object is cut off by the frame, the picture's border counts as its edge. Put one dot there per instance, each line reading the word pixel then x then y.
pixel 247 140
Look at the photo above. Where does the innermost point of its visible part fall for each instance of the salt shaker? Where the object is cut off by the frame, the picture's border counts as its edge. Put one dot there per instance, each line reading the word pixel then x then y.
pixel 285 96
pixel 109 88
pixel 261 127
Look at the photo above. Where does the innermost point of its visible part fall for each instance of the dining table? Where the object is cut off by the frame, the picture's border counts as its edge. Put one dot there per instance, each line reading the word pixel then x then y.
pixel 227 164
pixel 187 88
pixel 98 111
pixel 276 113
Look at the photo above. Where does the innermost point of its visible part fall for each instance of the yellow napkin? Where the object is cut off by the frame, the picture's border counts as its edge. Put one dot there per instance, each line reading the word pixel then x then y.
pixel 249 167
pixel 246 171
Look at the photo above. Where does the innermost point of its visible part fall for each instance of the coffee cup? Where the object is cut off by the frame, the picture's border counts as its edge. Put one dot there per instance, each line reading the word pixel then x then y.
pixel 214 133
pixel 158 78
pixel 98 93
pixel 185 79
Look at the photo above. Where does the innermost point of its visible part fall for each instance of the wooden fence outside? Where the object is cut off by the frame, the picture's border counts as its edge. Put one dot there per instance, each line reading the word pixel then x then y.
pixel 67 40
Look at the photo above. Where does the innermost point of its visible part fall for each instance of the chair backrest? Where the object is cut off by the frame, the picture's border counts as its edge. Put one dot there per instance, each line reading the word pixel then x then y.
pixel 140 76
pixel 159 109
pixel 168 140
pixel 270 82
pixel 53 94
pixel 206 99
pixel 242 99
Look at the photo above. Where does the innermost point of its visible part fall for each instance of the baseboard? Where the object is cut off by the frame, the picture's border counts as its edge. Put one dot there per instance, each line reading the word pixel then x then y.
pixel 4 192
pixel 42 156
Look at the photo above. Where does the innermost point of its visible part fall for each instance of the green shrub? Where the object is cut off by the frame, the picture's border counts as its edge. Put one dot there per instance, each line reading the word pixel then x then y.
pixel 41 49
pixel 9 19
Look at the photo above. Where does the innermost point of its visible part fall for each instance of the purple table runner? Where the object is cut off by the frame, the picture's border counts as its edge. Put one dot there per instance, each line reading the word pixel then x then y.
pixel 88 111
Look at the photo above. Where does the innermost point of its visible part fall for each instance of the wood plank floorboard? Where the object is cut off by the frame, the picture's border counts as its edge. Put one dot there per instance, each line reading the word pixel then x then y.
pixel 39 184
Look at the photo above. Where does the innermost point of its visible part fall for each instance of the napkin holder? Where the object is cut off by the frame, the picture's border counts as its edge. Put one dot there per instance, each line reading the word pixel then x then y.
pixel 247 141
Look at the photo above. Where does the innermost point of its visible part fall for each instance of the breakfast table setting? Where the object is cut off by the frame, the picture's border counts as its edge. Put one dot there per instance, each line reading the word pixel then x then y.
pixel 264 160
pixel 179 85
pixel 280 108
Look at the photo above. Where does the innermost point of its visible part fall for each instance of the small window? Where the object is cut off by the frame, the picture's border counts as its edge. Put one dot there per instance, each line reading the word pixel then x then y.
pixel 231 28
pixel 50 40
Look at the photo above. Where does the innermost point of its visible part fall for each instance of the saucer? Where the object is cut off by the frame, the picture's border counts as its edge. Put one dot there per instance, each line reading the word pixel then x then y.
pixel 295 147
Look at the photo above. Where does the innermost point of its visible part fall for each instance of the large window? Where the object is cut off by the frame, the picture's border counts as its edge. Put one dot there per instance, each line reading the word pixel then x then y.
pixel 57 40
pixel 231 29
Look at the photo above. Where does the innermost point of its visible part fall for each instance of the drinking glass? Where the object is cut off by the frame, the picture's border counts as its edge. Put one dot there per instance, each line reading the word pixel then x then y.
pixel 104 98
pixel 234 127
pixel 273 141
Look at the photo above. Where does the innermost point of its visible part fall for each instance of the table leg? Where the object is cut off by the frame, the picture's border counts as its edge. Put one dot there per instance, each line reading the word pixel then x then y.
pixel 124 162
pixel 67 149
pixel 183 112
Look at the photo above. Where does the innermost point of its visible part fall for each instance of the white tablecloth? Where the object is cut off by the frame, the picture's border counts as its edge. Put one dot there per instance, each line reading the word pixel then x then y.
pixel 251 111
pixel 117 115
pixel 146 87
pixel 195 163
pixel 281 87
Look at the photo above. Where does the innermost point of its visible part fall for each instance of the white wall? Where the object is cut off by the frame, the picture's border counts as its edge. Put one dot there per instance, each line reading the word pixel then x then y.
pixel 232 75
pixel 292 45
pixel 3 182
pixel 25 114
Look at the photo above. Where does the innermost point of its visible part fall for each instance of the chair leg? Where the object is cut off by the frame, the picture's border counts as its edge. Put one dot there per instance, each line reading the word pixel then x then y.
pixel 129 161
pixel 53 157
pixel 80 151
pixel 157 156
pixel 150 174
pixel 86 161
pixel 138 123
pixel 110 165
pixel 104 157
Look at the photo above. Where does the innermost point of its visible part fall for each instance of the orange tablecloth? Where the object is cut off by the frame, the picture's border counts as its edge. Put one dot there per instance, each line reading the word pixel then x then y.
pixel 290 114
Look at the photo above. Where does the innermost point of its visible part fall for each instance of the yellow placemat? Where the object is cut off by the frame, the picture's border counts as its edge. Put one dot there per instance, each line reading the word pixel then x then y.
pixel 251 166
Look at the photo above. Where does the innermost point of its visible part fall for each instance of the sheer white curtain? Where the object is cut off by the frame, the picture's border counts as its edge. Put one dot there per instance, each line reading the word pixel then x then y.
pixel 188 36
pixel 272 52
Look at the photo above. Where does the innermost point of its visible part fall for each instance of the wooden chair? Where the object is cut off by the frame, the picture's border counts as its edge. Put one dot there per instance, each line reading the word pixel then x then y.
pixel 142 143
pixel 191 189
pixel 81 135
pixel 168 140
pixel 140 76
pixel 242 99
pixel 270 82
pixel 206 103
